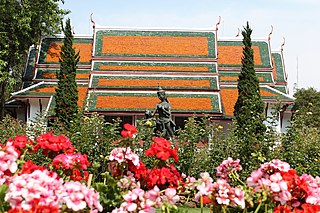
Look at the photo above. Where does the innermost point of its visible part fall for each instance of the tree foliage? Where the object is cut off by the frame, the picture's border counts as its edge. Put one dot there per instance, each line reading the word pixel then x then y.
pixel 21 25
pixel 66 96
pixel 307 108
pixel 249 108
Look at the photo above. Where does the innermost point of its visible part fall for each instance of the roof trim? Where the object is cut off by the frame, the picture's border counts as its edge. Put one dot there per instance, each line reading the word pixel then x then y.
pixel 28 88
pixel 120 28
pixel 152 91
pixel 264 86
pixel 240 39
pixel 74 36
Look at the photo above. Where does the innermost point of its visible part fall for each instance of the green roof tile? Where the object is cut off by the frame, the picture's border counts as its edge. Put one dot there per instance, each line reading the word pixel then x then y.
pixel 280 75
pixel 30 65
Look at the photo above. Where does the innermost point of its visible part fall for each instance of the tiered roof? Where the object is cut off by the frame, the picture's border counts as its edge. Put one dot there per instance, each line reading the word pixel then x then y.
pixel 230 54
pixel 120 69
pixel 154 44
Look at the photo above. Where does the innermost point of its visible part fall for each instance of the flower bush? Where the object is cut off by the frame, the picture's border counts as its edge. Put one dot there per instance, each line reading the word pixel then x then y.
pixel 130 185
pixel 32 188
pixel 274 187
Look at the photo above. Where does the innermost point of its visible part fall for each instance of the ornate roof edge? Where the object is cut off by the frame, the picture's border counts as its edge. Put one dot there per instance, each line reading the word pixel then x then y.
pixel 239 38
pixel 122 28
pixel 28 88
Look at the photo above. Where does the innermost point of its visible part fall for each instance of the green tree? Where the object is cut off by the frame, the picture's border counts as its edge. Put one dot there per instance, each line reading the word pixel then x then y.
pixel 66 97
pixel 21 25
pixel 307 108
pixel 249 108
pixel 301 143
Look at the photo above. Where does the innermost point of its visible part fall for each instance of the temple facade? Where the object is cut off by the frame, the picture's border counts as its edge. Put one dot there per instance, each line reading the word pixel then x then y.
pixel 120 69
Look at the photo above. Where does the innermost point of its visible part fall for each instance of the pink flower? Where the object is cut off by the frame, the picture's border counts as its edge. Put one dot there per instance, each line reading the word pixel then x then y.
pixel 129 203
pixel 77 197
pixel 154 196
pixel 119 210
pixel 239 197
pixel 42 186
pixel 8 164
pixel 122 154
pixel 171 196
pixel 227 167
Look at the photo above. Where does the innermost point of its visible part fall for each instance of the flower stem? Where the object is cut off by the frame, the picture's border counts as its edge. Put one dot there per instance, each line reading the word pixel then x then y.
pixel 257 209
pixel 201 204
pixel 2 208
pixel 224 209
pixel 168 209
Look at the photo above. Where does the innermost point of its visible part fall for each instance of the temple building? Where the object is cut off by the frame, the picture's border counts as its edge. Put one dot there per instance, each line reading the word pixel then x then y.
pixel 120 69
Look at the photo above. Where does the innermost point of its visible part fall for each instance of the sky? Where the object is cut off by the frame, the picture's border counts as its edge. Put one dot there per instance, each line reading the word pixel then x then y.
pixel 294 21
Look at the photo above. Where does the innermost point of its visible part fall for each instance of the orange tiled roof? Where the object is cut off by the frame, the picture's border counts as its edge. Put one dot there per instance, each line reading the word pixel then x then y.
pixel 233 55
pixel 155 45
pixel 82 91
pixel 134 102
pixel 235 78
pixel 155 68
pixel 53 75
pixel 51 89
pixel 145 82
pixel 274 69
pixel 229 98
pixel 54 50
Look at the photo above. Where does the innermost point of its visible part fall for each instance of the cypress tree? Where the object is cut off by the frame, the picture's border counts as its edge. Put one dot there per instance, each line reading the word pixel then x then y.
pixel 249 108
pixel 67 93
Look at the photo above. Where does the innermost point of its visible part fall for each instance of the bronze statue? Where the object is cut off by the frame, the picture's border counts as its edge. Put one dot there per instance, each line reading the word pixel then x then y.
pixel 164 123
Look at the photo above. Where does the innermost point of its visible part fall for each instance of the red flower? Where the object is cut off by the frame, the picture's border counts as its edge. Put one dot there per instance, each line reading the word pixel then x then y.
pixel 163 177
pixel 139 172
pixel 20 142
pixel 282 209
pixel 36 208
pixel 307 208
pixel 71 161
pixel 206 200
pixel 162 149
pixel 76 175
pixel 53 144
pixel 129 131
pixel 29 167
pixel 298 187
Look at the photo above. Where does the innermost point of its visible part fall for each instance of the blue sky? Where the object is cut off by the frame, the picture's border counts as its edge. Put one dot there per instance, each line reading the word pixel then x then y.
pixel 295 20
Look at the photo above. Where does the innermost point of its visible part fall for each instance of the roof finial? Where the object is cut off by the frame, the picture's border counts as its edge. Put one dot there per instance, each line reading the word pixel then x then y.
pixel 217 24
pixel 238 32
pixel 269 36
pixel 283 43
pixel 92 21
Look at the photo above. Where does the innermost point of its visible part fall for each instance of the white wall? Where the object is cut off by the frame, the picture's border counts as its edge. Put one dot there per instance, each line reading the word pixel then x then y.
pixel 270 115
pixel 278 126
pixel 286 121
pixel 35 107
